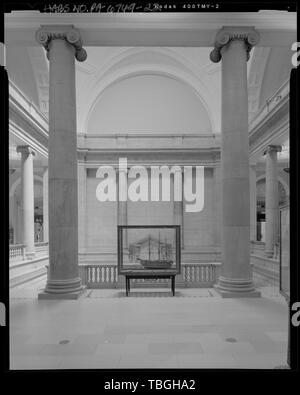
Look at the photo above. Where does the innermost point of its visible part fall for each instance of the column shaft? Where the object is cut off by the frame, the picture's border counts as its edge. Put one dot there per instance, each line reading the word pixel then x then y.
pixel 122 204
pixel 45 206
pixel 253 204
pixel 178 208
pixel 19 232
pixel 235 163
pixel 217 205
pixel 27 199
pixel 62 43
pixel 272 201
pixel 236 278
pixel 62 161
pixel 12 216
pixel 82 204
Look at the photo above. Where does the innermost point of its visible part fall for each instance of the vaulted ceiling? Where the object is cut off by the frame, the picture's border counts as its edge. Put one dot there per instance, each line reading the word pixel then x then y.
pixel 268 68
pixel 108 68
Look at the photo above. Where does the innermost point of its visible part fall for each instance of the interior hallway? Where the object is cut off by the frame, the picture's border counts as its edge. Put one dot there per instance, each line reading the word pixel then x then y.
pixel 150 329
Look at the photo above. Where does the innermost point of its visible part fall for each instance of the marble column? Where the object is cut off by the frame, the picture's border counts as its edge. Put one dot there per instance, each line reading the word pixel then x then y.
pixel 45 206
pixel 272 200
pixel 12 217
pixel 82 205
pixel 19 231
pixel 27 199
pixel 178 205
pixel 63 44
pixel 122 201
pixel 233 45
pixel 253 203
pixel 217 207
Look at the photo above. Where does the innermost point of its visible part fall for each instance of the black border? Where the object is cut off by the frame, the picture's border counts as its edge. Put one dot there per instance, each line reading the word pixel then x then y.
pixel 294 212
pixel 155 5
pixel 67 377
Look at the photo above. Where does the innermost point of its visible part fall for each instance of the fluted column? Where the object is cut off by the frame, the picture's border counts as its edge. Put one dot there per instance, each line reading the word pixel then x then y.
pixel 233 45
pixel 45 206
pixel 272 200
pixel 27 198
pixel 63 44
pixel 253 203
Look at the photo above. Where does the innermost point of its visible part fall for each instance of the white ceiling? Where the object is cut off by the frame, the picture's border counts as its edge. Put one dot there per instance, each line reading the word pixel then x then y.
pixel 28 69
pixel 104 65
pixel 268 67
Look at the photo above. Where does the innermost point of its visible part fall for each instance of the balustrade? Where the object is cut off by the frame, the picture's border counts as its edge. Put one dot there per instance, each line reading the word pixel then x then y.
pixel 16 250
pixel 106 276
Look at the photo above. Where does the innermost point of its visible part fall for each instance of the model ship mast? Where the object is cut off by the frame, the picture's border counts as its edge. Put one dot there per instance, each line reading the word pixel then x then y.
pixel 156 263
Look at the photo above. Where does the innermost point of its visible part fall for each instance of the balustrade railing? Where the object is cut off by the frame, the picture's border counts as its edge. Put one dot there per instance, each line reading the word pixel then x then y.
pixel 258 248
pixel 100 276
pixel 106 276
pixel 193 273
pixel 17 250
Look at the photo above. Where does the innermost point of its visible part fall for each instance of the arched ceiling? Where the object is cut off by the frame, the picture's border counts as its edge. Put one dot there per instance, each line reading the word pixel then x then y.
pixel 278 70
pixel 118 64
pixel 20 72
pixel 149 103
pixel 261 191
pixel 267 69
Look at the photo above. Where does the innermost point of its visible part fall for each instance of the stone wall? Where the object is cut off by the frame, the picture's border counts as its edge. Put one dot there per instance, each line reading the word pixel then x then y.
pixel 201 230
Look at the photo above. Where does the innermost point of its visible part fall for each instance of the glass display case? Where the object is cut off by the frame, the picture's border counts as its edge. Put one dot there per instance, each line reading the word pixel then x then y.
pixel 149 248
pixel 285 251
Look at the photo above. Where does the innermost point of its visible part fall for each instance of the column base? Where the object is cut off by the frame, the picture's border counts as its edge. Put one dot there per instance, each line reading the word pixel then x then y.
pixel 67 296
pixel 236 288
pixel 63 289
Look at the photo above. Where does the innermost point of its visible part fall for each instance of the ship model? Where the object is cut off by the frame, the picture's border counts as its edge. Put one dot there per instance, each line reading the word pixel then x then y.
pixel 156 255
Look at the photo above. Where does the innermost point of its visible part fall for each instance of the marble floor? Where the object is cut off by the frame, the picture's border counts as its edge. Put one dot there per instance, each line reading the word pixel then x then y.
pixel 148 329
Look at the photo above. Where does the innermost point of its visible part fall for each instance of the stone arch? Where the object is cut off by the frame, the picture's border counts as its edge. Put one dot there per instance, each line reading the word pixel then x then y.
pixel 171 64
pixel 282 182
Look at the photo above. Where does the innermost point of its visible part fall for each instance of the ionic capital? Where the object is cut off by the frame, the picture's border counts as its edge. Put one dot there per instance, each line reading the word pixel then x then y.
pixel 272 148
pixel 46 34
pixel 227 34
pixel 25 150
